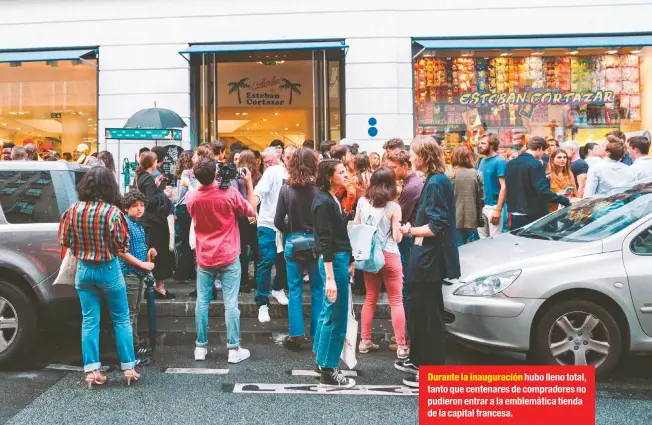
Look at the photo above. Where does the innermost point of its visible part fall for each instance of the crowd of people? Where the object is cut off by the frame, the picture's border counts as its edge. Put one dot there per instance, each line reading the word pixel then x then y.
pixel 291 209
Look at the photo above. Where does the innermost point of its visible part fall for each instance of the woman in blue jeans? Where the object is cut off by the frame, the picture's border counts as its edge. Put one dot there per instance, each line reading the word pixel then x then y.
pixel 96 232
pixel 295 221
pixel 336 267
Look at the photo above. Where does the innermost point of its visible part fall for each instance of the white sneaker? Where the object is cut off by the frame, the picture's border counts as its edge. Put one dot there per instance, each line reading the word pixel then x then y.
pixel 263 314
pixel 236 355
pixel 200 353
pixel 280 297
pixel 218 285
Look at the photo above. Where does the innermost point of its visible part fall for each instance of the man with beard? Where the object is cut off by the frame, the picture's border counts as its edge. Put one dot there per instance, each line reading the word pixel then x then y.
pixel 492 167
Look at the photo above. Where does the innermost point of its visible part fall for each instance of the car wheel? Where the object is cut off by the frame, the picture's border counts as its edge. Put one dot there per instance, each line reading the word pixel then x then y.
pixel 578 332
pixel 18 324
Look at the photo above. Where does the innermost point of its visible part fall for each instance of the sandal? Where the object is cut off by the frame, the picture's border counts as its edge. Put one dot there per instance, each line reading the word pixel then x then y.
pixel 95 378
pixel 131 375
pixel 366 346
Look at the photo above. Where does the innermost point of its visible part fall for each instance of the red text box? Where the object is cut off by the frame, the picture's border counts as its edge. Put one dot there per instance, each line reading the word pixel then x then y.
pixel 506 395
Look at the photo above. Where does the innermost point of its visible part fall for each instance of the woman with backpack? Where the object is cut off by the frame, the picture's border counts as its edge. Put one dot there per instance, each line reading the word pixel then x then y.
pixel 300 190
pixel 378 208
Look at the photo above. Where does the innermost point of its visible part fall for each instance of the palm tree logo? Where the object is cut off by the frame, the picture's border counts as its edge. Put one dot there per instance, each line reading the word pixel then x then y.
pixel 293 87
pixel 237 85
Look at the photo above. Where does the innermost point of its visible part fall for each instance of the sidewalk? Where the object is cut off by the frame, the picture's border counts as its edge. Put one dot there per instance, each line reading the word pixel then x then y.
pixel 184 306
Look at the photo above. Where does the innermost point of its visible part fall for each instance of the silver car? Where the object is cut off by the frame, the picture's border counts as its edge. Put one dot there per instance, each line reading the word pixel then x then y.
pixel 573 288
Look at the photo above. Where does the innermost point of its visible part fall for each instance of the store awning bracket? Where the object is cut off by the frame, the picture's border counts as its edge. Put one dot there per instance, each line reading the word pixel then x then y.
pixel 265 47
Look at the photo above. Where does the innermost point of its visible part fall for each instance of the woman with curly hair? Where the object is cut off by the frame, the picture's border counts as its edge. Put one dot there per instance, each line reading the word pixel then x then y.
pixel 96 232
pixel 295 220
pixel 434 257
pixel 562 180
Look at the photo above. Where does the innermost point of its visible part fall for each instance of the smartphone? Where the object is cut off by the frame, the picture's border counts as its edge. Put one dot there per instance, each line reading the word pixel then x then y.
pixel 570 189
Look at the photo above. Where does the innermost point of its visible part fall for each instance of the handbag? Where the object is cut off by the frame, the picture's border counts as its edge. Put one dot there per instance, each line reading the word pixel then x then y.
pixel 303 246
pixel 351 340
pixel 366 245
pixel 479 199
pixel 68 270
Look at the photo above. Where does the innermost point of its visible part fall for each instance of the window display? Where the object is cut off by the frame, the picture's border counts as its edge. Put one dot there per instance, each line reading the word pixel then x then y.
pixel 569 94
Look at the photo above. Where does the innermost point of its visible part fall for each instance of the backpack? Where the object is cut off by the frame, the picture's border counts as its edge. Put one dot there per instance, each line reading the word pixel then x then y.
pixel 367 245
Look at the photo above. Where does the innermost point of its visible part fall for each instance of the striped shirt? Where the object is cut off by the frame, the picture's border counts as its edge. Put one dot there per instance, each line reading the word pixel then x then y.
pixel 137 247
pixel 94 231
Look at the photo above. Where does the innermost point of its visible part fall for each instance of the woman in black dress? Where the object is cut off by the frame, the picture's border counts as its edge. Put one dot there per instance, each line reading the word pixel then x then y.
pixel 155 221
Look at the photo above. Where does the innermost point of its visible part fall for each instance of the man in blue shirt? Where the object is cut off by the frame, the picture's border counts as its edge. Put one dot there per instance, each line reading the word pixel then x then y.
pixel 492 168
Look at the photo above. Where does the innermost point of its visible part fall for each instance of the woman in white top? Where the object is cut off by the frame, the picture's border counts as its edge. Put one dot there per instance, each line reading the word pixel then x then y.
pixel 378 208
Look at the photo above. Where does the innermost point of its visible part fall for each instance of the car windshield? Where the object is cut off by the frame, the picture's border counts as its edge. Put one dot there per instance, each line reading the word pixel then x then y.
pixel 594 218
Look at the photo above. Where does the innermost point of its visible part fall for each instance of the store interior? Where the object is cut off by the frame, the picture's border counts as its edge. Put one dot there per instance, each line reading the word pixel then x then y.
pixel 52 104
pixel 597 90
pixel 262 96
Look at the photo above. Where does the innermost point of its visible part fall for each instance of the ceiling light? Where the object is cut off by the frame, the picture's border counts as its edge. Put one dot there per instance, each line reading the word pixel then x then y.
pixel 467 53
pixel 4 123
pixel 245 113
pixel 255 125
pixel 636 51
pixel 612 51
pixel 297 125
pixel 538 52
pixel 276 113
pixel 237 113
pixel 90 119
pixel 574 52
pixel 505 53
pixel 264 119
pixel 17 128
pixel 286 129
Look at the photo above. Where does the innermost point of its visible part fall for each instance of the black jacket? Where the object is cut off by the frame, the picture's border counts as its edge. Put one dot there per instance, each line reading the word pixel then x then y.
pixel 329 227
pixel 528 189
pixel 158 206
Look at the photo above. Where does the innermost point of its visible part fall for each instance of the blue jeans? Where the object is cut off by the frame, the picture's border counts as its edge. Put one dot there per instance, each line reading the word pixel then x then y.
pixel 230 277
pixel 464 236
pixel 404 248
pixel 295 292
pixel 331 326
pixel 266 259
pixel 92 281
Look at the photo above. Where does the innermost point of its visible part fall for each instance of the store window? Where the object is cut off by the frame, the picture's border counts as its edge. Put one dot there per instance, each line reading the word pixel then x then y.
pixel 254 97
pixel 575 94
pixel 49 103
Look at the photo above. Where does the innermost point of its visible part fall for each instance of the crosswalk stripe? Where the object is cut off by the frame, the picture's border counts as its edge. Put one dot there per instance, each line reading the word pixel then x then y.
pixel 312 373
pixel 70 368
pixel 196 371
pixel 388 390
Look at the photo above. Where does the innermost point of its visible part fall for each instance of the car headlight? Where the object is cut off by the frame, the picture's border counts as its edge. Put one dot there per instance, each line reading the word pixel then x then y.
pixel 486 286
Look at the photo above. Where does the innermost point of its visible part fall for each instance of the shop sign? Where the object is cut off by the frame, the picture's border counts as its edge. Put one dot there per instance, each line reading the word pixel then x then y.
pixel 142 134
pixel 537 97
pixel 257 93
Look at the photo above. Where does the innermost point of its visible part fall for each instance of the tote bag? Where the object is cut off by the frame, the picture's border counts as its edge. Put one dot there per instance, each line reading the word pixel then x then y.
pixel 68 270
pixel 351 339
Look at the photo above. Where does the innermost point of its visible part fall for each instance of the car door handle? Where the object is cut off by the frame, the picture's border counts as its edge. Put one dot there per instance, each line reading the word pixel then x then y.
pixel 646 309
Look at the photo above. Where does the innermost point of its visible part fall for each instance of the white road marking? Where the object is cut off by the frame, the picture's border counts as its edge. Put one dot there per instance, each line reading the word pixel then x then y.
pixel 316 375
pixel 196 371
pixel 70 368
pixel 392 390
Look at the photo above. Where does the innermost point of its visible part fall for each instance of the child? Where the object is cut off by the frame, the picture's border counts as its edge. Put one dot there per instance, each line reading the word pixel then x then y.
pixel 135 264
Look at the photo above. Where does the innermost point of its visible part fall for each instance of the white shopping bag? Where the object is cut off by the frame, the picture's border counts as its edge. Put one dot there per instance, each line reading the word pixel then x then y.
pixel 172 231
pixel 351 340
pixel 68 270
pixel 192 238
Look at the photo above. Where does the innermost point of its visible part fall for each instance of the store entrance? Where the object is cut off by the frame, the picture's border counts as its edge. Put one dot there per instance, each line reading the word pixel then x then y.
pixel 252 98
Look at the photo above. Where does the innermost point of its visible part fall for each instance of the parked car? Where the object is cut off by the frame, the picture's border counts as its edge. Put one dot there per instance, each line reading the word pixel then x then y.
pixel 33 195
pixel 573 288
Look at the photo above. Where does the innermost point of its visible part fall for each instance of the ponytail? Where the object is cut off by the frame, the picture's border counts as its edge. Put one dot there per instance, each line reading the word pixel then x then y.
pixel 147 160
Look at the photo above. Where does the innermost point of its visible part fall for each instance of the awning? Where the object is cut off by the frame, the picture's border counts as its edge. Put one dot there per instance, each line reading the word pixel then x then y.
pixel 534 41
pixel 264 47
pixel 44 55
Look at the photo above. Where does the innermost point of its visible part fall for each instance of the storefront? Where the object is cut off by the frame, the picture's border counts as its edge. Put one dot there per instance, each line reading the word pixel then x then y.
pixel 252 93
pixel 570 88
pixel 49 98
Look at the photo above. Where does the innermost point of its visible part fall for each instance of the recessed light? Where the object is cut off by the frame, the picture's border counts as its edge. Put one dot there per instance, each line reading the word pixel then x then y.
pixel 276 113
pixel 636 51
pixel 505 53
pixel 574 52
pixel 4 123
pixel 237 113
pixel 255 125
pixel 612 52
pixel 297 125
pixel 90 119
pixel 286 129
pixel 245 113
pixel 467 53
pixel 264 119
pixel 17 128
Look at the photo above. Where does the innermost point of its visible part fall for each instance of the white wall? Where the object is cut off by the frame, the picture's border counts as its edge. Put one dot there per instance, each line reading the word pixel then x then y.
pixel 139 41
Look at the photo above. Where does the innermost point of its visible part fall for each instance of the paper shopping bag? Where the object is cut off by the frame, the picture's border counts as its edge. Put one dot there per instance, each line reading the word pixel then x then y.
pixel 351 340
pixel 68 270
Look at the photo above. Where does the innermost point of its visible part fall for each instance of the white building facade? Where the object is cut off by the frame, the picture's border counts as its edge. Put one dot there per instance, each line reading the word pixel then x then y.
pixel 399 65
